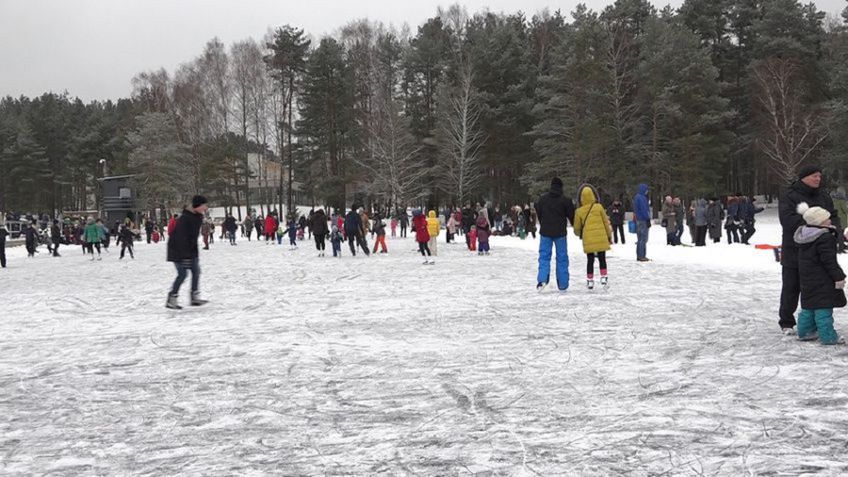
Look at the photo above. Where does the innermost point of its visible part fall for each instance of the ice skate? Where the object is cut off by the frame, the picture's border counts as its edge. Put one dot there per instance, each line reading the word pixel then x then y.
pixel 810 337
pixel 172 303
pixel 788 331
pixel 604 281
pixel 839 341
pixel 590 284
pixel 541 286
pixel 196 300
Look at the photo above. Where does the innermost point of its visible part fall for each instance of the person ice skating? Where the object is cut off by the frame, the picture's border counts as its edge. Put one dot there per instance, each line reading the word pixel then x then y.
pixel 669 218
pixel 404 222
pixel 31 239
pixel 393 224
pixel 642 216
pixel 748 210
pixel 336 241
pixel 433 229
pixel 592 225
pixel 616 215
pixel 450 228
pixel 821 277
pixel 701 223
pixel 126 238
pixel 247 224
pixel 206 230
pixel 230 226
pixel 554 210
pixel 355 232
pixel 715 215
pixel 292 229
pixel 318 228
pixel 422 236
pixel 806 189
pixel 379 230
pixel 679 215
pixel 183 252
pixel 257 225
pixel 468 219
pixel 105 235
pixel 148 229
pixel 531 218
pixel 270 228
pixel 484 230
pixel 4 232
pixel 92 238
pixel 56 237
pixel 156 236
pixel 732 220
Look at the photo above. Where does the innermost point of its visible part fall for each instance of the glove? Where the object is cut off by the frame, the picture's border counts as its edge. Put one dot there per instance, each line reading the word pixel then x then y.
pixel 840 284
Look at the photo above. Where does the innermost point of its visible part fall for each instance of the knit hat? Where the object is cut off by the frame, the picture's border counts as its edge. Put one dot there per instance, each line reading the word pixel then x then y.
pixel 197 201
pixel 808 171
pixel 556 182
pixel 813 215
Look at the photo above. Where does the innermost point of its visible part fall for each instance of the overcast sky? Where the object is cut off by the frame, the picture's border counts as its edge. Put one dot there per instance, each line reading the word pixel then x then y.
pixel 93 48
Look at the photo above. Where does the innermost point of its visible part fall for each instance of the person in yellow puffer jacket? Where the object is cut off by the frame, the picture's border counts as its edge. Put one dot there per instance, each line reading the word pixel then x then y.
pixel 592 225
pixel 433 227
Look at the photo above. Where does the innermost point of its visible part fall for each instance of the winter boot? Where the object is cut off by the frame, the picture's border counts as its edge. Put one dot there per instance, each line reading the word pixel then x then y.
pixel 172 303
pixel 196 300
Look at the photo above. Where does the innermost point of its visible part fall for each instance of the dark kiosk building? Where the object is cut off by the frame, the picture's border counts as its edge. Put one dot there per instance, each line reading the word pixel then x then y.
pixel 118 199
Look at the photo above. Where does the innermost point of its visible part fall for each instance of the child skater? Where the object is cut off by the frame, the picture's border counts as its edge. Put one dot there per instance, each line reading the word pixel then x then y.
pixel 592 225
pixel 822 279
pixel 484 228
pixel 336 239
pixel 292 234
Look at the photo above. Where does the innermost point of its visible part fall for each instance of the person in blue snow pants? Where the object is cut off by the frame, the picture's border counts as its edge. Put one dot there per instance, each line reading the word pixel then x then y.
pixel 554 211
pixel 546 245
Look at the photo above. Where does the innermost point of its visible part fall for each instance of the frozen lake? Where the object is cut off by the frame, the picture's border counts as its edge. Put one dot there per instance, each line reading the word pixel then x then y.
pixel 317 366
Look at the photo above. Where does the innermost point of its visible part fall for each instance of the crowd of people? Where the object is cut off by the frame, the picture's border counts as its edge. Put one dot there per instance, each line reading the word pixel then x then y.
pixel 810 222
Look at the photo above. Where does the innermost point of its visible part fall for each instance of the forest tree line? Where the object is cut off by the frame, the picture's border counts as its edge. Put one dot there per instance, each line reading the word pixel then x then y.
pixel 718 96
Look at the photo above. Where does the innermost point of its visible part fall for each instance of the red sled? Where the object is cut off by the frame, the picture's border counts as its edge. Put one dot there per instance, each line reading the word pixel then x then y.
pixel 776 248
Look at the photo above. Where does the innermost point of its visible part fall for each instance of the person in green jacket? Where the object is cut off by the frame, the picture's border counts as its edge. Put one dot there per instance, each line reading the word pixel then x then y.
pixel 93 237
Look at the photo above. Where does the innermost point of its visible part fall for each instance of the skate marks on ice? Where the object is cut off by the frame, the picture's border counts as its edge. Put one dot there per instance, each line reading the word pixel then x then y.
pixel 377 365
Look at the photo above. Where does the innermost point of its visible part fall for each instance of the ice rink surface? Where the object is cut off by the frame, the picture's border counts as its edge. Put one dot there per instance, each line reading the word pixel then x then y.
pixel 318 366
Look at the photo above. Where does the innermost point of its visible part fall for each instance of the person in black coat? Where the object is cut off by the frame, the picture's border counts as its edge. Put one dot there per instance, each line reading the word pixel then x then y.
pixel 31 235
pixel 183 251
pixel 806 189
pixel 353 230
pixel 822 279
pixel 554 211
pixel 148 228
pixel 3 234
pixel 318 228
pixel 55 237
pixel 231 226
pixel 616 216
pixel 126 238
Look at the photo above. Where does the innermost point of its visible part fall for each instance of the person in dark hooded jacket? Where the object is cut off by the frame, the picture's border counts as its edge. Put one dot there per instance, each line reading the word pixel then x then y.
pixel 554 211
pixel 318 228
pixel 353 230
pixel 822 279
pixel 806 189
pixel 31 235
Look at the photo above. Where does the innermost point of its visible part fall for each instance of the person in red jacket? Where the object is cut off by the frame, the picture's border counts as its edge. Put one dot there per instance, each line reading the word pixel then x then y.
pixel 270 228
pixel 422 236
pixel 172 224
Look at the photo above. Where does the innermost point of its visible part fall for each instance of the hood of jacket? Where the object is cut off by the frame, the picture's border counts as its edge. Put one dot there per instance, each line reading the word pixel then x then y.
pixel 587 196
pixel 808 234
pixel 643 189
pixel 432 214
pixel 556 190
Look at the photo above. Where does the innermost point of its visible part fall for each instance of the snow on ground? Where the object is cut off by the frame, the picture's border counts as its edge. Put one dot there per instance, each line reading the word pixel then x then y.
pixel 304 366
